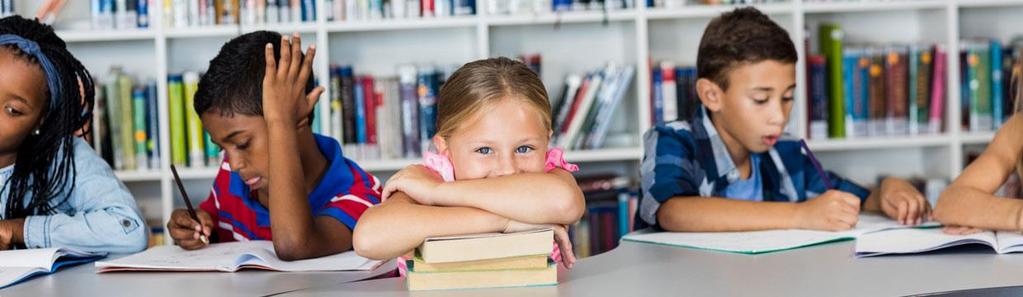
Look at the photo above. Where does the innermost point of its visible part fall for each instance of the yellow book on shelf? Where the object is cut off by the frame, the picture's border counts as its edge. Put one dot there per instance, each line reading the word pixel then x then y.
pixel 523 262
pixel 196 153
pixel 473 247
pixel 418 281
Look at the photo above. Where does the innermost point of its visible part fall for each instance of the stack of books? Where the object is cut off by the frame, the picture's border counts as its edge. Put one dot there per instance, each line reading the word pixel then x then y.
pixel 489 260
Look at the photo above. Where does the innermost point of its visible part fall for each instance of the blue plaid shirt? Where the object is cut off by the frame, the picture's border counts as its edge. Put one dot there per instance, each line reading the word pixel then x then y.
pixel 683 159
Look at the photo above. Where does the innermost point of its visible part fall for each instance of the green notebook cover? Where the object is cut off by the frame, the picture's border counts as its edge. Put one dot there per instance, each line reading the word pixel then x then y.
pixel 831 47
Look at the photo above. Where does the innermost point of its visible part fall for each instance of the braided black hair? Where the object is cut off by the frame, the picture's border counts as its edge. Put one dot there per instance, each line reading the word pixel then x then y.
pixel 45 166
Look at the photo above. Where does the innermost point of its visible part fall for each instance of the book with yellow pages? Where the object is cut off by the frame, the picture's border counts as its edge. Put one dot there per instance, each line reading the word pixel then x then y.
pixel 461 248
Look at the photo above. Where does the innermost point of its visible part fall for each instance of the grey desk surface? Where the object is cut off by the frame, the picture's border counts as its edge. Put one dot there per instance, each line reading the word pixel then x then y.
pixel 82 280
pixel 636 269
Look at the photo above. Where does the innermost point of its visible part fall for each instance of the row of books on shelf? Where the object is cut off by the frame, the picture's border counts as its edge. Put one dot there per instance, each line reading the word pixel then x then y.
pixel 362 10
pixel 610 208
pixel 385 117
pixel 584 110
pixel 513 7
pixel 125 122
pixel 194 13
pixel 857 91
pixel 682 3
pixel 672 92
pixel 985 72
pixel 7 8
pixel 120 14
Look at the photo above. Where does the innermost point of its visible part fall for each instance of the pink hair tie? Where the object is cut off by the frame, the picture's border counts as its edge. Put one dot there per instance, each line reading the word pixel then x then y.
pixel 556 159
pixel 440 164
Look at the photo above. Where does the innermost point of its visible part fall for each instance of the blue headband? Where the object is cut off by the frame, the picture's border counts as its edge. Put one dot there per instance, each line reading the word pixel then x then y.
pixel 32 48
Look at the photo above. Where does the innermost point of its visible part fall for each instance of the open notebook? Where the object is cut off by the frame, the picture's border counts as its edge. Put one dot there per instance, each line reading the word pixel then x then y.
pixel 17 265
pixel 911 241
pixel 231 257
pixel 757 242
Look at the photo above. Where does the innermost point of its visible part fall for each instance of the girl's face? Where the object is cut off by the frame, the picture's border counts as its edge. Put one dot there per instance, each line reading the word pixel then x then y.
pixel 506 138
pixel 22 102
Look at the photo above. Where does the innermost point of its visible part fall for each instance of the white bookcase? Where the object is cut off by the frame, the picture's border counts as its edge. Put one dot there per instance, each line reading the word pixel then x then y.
pixel 572 42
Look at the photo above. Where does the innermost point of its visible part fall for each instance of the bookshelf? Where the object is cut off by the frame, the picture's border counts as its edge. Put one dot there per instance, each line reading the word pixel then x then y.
pixel 570 42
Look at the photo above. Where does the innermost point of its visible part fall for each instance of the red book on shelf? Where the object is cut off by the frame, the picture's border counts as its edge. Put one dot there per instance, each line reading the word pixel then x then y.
pixel 371 101
pixel 575 104
pixel 938 91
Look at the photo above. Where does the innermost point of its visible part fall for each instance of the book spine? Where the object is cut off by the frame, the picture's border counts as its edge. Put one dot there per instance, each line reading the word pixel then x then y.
pixel 196 153
pixel 818 96
pixel 100 128
pixel 657 95
pixel 153 123
pixel 409 111
pixel 336 114
pixel 831 46
pixel 372 102
pixel 669 92
pixel 127 140
pixel 923 86
pixel 997 97
pixel 180 13
pixel 114 115
pixel 603 120
pixel 139 123
pixel 308 10
pixel 896 85
pixel 938 90
pixel 914 73
pixel 176 90
pixel 143 13
pixel 984 105
pixel 427 106
pixel 850 57
pixel 974 83
pixel 360 112
pixel 212 150
pixel 296 11
pixel 878 101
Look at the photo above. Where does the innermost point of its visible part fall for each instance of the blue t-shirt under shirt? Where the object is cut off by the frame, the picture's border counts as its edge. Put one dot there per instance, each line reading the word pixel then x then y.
pixel 750 189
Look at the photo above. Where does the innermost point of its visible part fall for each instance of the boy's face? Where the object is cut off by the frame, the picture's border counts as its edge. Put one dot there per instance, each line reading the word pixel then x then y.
pixel 755 108
pixel 22 102
pixel 244 141
pixel 506 138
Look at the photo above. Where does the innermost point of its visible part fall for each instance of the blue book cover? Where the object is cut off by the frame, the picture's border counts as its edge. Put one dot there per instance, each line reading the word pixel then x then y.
pixel 408 91
pixel 850 57
pixel 360 113
pixel 153 123
pixel 997 95
pixel 657 96
pixel 142 8
pixel 427 106
pixel 308 10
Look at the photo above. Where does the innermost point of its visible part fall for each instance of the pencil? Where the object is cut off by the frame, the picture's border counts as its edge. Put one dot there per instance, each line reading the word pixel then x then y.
pixel 817 165
pixel 188 203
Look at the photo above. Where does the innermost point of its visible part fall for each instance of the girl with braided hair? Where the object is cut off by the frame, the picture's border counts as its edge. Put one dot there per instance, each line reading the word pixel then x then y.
pixel 55 191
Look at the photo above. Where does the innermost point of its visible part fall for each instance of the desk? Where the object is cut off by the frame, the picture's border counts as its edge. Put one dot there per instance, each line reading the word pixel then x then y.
pixel 82 280
pixel 637 269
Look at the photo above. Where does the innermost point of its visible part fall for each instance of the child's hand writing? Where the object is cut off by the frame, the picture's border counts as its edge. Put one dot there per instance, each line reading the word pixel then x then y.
pixel 185 231
pixel 901 201
pixel 284 83
pixel 416 181
pixel 831 211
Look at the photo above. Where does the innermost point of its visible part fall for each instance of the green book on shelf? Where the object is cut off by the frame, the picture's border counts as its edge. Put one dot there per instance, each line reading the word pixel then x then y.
pixel 922 84
pixel 114 115
pixel 831 47
pixel 176 104
pixel 127 121
pixel 140 128
pixel 196 153
pixel 212 150
pixel 984 104
pixel 973 83
pixel 914 93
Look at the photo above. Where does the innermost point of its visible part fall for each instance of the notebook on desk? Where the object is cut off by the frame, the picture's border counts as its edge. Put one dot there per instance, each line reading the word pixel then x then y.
pixel 18 265
pixel 912 241
pixel 231 257
pixel 758 242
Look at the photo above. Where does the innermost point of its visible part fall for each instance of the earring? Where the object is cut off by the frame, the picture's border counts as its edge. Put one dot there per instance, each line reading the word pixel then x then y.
pixel 35 132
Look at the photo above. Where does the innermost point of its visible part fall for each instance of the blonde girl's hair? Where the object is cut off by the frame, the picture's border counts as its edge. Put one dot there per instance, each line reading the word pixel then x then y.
pixel 485 82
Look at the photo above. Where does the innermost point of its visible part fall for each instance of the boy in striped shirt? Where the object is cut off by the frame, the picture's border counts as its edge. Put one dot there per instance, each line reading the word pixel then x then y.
pixel 279 181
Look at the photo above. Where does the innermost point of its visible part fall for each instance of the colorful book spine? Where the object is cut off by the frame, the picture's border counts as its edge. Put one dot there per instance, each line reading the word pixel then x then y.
pixel 937 90
pixel 113 100
pixel 127 121
pixel 371 102
pixel 914 74
pixel 427 94
pixel 831 47
pixel 997 97
pixel 196 153
pixel 657 95
pixel 923 87
pixel 878 99
pixel 896 85
pixel 153 125
pixel 176 104
pixel 212 150
pixel 850 57
pixel 669 91
pixel 409 111
pixel 817 93
pixel 348 104
pixel 861 96
pixel 984 105
pixel 360 112
pixel 139 123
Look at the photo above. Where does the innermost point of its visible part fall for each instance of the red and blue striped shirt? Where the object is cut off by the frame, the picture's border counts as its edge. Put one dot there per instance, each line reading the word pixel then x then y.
pixel 344 193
